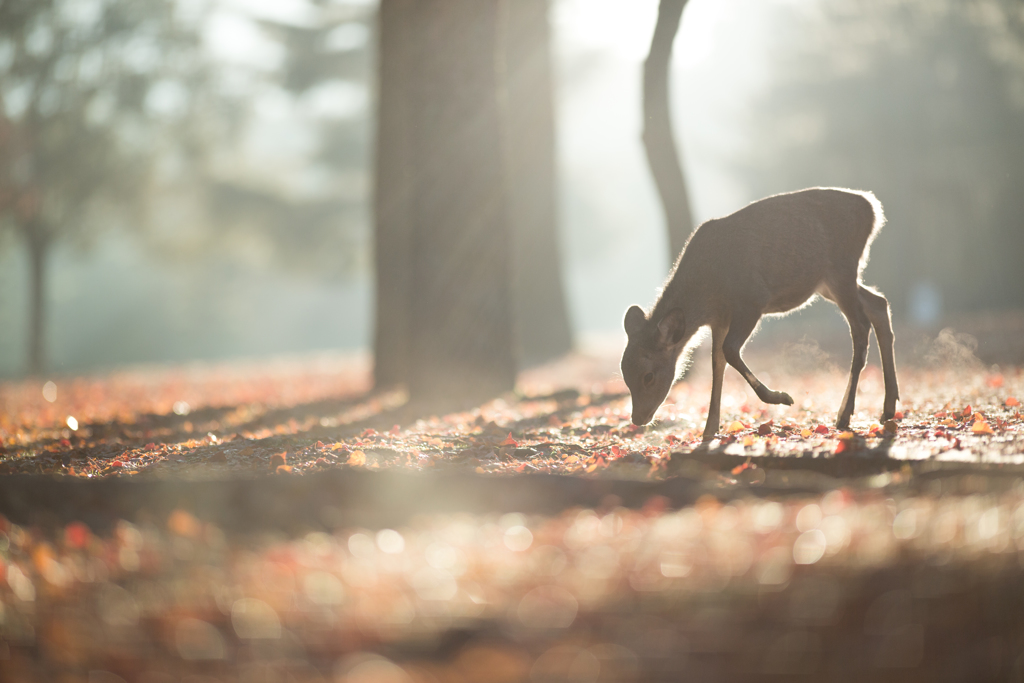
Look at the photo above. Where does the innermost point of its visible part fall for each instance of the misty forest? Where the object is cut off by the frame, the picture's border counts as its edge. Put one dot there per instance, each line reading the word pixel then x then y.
pixel 350 341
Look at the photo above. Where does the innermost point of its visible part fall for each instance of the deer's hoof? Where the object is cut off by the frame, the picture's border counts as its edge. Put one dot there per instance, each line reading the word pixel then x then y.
pixel 781 398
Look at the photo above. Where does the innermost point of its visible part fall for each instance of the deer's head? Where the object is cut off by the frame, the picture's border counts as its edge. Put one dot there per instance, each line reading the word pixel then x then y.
pixel 649 361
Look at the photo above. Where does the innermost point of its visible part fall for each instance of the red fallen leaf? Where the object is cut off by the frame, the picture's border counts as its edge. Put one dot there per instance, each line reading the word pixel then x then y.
pixel 995 381
pixel 65 443
pixel 322 461
pixel 821 429
pixel 841 446
pixel 1011 402
pixel 671 439
pixel 149 447
pixel 283 469
pixel 966 412
pixel 898 415
pixel 765 429
pixel 395 429
pixel 76 535
pixel 320 445
pixel 940 415
pixel 509 441
pixel 368 433
pixel 615 451
pixel 278 459
pixel 117 464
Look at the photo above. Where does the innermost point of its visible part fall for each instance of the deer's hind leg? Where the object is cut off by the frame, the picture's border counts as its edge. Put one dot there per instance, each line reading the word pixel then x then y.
pixel 847 297
pixel 740 329
pixel 877 308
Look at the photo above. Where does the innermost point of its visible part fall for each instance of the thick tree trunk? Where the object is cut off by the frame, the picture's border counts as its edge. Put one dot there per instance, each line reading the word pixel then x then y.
pixel 543 331
pixel 659 141
pixel 461 311
pixel 393 188
pixel 38 248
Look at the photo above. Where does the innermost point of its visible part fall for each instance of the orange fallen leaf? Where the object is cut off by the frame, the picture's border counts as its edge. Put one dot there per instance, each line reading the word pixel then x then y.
pixel 509 441
pixel 284 469
pixel 183 523
pixel 981 427
pixel 967 411
pixel 357 459
pixel 898 415
pixel 1011 402
pixel 734 426
pixel 805 433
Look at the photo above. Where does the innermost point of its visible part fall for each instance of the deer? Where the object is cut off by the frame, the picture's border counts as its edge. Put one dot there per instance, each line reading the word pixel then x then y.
pixel 770 258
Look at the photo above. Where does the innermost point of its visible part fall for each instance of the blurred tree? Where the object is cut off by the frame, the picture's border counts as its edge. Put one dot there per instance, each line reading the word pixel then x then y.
pixel 321 231
pixel 464 203
pixel 659 140
pixel 921 101
pixel 84 87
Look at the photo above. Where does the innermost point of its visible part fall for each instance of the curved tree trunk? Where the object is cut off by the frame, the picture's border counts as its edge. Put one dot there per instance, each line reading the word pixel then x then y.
pixel 659 141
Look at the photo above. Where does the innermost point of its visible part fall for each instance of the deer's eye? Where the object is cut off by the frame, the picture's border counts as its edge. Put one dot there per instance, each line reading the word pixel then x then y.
pixel 648 379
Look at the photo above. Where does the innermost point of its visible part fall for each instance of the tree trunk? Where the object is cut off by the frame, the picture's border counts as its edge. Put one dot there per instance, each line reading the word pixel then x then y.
pixel 38 247
pixel 543 331
pixel 659 141
pixel 393 187
pixel 461 312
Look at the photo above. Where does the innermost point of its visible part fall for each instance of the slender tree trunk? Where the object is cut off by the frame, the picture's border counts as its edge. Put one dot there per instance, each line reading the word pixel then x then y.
pixel 393 188
pixel 38 248
pixel 659 140
pixel 461 311
pixel 543 330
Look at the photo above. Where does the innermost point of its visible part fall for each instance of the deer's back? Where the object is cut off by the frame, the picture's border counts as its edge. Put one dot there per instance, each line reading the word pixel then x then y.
pixel 783 247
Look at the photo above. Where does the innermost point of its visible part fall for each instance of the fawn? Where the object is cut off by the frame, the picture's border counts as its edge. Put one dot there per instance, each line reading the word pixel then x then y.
pixel 769 258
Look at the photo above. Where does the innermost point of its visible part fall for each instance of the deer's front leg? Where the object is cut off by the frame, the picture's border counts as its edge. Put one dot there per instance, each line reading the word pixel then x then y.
pixel 718 374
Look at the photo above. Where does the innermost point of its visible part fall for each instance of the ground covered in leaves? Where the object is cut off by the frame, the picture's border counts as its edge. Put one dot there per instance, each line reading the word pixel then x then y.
pixel 888 552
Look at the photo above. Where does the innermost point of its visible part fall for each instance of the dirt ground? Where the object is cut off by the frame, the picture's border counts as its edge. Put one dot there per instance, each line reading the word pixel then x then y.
pixel 280 522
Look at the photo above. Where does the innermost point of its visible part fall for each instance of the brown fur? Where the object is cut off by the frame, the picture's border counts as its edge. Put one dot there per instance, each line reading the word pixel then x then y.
pixel 771 257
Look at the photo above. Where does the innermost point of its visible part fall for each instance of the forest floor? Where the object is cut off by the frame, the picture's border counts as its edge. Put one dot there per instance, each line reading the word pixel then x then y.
pixel 279 521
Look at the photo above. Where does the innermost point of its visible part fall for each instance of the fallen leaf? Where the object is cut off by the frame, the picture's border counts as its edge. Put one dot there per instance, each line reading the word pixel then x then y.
pixel 966 412
pixel 805 433
pixel 891 427
pixel 981 427
pixel 1011 402
pixel 735 426
pixel 821 429
pixel 509 441
pixel 357 459
pixel 283 469
pixel 278 459
pixel 765 428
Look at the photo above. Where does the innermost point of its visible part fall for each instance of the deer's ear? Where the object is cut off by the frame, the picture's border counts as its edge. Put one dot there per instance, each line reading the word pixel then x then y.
pixel 635 320
pixel 671 327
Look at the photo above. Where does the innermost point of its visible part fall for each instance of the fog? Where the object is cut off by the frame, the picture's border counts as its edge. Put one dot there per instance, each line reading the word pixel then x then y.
pixel 758 104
